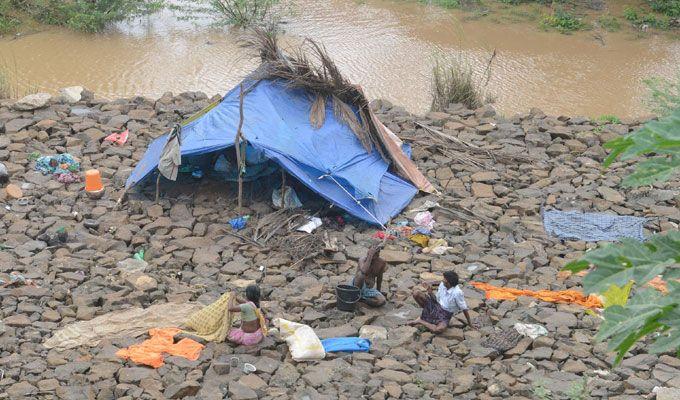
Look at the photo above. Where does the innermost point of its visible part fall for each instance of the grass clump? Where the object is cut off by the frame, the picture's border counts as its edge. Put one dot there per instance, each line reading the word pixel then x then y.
pixel 664 95
pixel 609 119
pixel 563 21
pixel 442 3
pixel 609 22
pixel 453 82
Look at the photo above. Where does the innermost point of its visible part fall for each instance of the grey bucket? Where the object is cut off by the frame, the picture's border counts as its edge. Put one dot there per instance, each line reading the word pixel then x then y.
pixel 347 297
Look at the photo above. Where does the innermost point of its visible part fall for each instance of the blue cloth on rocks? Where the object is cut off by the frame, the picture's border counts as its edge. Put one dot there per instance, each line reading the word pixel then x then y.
pixel 347 344
pixel 592 227
pixel 42 164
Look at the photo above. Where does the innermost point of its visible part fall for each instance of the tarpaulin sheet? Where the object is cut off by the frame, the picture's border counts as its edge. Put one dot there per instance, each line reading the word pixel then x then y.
pixel 276 121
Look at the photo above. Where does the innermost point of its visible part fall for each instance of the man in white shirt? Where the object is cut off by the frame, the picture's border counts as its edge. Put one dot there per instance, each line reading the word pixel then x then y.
pixel 438 310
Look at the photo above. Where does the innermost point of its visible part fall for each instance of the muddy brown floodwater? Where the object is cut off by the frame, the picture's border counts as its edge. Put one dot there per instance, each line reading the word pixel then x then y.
pixel 386 46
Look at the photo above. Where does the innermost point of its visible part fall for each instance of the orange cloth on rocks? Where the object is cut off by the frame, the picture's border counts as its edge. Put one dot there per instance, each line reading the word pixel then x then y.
pixel 562 296
pixel 150 352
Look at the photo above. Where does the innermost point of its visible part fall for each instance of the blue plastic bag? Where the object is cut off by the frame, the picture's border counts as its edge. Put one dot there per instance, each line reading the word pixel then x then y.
pixel 346 344
pixel 239 223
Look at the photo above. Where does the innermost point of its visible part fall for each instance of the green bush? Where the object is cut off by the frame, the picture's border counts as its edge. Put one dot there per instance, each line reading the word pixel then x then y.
pixel 670 8
pixel 241 13
pixel 639 19
pixel 82 15
pixel 563 21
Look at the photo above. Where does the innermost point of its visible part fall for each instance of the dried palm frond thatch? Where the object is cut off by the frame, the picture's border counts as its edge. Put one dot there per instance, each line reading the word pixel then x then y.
pixel 310 68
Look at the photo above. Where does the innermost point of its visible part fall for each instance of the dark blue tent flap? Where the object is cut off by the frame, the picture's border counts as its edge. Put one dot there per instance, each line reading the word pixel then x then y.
pixel 276 120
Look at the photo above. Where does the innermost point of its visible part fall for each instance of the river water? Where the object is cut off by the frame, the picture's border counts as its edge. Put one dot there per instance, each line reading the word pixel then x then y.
pixel 386 46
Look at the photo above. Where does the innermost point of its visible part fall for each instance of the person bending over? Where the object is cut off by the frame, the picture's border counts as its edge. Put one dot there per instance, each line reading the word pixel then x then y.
pixel 438 309
pixel 369 276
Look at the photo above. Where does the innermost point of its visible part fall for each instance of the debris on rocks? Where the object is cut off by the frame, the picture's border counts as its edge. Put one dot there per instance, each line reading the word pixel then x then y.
pixel 59 337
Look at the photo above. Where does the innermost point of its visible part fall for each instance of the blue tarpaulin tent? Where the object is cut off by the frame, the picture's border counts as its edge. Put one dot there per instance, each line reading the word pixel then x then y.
pixel 329 160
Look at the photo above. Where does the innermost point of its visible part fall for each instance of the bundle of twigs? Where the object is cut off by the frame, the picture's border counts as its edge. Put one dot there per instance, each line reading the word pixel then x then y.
pixel 299 245
pixel 279 222
pixel 309 67
pixel 460 150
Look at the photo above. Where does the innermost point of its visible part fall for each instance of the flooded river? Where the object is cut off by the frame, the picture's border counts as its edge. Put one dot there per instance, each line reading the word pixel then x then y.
pixel 386 46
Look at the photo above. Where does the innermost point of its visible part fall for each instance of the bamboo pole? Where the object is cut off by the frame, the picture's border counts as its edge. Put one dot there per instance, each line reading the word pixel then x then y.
pixel 237 143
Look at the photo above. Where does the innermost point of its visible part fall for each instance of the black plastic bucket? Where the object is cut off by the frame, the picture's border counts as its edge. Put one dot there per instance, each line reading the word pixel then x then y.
pixel 347 297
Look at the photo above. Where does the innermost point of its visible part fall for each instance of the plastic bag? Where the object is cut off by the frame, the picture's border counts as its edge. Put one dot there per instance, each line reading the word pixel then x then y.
pixel 531 330
pixel 221 164
pixel 291 199
pixel 303 343
pixel 309 227
pixel 424 219
pixel 436 246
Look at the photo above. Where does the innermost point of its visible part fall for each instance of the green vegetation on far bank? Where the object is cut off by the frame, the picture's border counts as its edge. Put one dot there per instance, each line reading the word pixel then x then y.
pixel 79 15
pixel 566 16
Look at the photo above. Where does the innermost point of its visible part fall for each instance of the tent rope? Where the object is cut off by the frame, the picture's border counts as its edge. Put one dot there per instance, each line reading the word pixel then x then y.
pixel 355 200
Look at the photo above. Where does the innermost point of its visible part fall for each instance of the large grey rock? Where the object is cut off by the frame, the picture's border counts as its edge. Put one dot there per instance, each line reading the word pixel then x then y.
pixel 32 102
pixel 18 124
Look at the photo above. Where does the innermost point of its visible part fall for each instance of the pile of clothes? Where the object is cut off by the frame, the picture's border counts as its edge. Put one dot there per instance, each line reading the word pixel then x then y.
pixel 64 167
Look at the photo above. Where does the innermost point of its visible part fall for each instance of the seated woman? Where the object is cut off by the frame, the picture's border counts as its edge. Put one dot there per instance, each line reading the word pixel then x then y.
pixel 253 327
pixel 369 277
pixel 438 310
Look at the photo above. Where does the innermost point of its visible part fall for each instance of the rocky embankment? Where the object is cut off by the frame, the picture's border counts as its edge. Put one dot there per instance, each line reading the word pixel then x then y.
pixel 554 163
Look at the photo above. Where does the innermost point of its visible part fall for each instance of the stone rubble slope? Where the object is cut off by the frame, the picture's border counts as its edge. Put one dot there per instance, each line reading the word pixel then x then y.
pixel 191 257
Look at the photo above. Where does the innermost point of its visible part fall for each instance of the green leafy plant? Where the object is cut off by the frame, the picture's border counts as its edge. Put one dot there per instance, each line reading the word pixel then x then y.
pixel 563 21
pixel 640 19
pixel 579 390
pixel 541 392
pixel 661 138
pixel 648 310
pixel 669 8
pixel 665 94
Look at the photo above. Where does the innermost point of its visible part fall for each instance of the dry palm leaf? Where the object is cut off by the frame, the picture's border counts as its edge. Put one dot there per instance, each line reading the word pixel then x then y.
pixel 309 67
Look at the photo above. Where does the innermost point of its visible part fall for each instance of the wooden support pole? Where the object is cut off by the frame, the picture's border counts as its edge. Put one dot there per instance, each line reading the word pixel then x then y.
pixel 158 186
pixel 239 156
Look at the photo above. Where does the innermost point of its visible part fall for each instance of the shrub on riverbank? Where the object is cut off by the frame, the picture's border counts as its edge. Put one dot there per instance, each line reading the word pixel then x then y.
pixel 81 15
pixel 453 82
pixel 563 21
pixel 240 13
pixel 670 8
